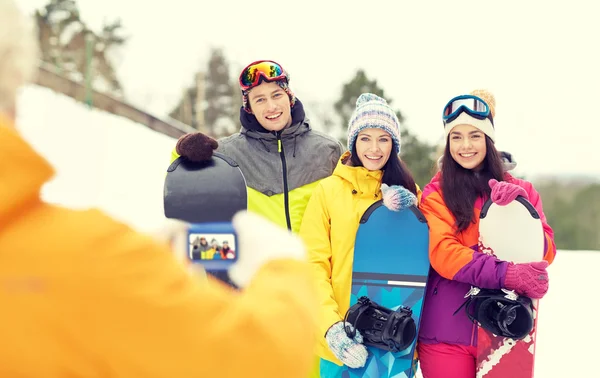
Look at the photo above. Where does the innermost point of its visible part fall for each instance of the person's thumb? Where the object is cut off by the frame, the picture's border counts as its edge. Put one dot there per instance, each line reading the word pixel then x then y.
pixel 260 241
pixel 174 233
pixel 540 265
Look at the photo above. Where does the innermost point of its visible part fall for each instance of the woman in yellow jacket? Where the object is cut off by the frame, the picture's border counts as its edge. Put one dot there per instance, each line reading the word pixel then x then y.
pixel 100 300
pixel 372 169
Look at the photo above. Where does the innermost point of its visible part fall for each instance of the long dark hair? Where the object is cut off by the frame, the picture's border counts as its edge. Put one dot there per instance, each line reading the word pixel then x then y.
pixel 461 187
pixel 395 172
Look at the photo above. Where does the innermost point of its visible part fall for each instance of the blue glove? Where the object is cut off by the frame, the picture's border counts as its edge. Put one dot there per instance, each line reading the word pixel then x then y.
pixel 397 197
pixel 350 351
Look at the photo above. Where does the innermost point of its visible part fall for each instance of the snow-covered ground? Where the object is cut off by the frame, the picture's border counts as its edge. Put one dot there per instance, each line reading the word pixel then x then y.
pixel 112 163
pixel 101 160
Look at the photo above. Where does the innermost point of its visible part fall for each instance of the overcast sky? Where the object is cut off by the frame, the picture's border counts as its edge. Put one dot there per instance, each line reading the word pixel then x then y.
pixel 539 57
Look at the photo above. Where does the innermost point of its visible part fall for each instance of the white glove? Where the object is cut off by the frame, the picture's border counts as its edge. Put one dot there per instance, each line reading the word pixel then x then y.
pixel 260 241
pixel 174 233
pixel 350 351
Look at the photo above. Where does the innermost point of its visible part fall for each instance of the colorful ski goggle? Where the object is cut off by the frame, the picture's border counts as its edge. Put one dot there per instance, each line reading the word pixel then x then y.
pixel 473 105
pixel 268 69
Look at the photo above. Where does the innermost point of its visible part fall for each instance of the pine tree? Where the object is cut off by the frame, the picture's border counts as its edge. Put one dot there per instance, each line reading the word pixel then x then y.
pixel 219 98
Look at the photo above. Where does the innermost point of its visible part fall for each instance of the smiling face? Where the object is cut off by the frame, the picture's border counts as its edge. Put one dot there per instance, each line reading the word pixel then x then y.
pixel 270 104
pixel 373 147
pixel 467 146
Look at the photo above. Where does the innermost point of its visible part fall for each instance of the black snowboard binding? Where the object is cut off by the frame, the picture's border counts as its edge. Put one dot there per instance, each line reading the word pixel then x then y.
pixel 381 327
pixel 502 312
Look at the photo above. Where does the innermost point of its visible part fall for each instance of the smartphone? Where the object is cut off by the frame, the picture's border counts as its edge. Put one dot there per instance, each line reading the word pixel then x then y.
pixel 214 245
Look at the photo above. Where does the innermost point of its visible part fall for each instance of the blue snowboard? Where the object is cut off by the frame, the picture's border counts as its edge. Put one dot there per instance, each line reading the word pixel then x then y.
pixel 391 265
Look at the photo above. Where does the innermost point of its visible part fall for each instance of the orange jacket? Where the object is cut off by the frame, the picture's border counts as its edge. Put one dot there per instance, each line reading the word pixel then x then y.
pixel 452 254
pixel 85 296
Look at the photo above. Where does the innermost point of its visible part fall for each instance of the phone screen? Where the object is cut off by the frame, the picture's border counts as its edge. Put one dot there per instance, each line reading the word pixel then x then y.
pixel 212 246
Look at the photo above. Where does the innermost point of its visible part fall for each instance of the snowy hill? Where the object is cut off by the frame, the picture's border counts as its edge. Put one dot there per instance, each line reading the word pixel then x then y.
pixel 101 160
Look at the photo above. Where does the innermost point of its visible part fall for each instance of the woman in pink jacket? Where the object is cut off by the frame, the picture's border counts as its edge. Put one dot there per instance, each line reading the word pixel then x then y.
pixel 471 171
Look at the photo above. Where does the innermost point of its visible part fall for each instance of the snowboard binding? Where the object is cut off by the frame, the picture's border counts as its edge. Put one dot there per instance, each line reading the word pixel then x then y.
pixel 502 312
pixel 381 327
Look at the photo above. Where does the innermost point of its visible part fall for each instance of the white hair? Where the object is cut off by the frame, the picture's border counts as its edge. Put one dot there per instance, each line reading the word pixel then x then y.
pixel 19 52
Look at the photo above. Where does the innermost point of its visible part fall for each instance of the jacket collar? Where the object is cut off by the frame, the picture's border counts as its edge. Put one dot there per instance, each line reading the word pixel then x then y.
pixel 361 179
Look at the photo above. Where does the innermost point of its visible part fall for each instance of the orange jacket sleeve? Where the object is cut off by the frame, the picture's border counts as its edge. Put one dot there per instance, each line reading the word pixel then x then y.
pixel 449 256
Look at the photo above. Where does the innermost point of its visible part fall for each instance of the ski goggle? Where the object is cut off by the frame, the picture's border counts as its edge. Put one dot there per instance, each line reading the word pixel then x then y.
pixel 268 69
pixel 473 105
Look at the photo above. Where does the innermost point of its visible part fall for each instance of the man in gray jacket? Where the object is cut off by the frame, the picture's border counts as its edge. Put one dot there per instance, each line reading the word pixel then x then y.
pixel 281 156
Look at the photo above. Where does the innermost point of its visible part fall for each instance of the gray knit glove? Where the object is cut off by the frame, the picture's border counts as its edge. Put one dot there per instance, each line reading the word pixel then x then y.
pixel 350 351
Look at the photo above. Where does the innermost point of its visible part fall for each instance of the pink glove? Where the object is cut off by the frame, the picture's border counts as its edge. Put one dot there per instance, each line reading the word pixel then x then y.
pixel 504 192
pixel 530 280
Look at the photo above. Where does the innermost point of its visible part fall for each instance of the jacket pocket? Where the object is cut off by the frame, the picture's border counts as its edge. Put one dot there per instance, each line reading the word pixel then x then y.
pixel 435 284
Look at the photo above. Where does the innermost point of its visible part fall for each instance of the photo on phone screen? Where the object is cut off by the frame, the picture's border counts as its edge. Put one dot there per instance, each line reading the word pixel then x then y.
pixel 212 247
